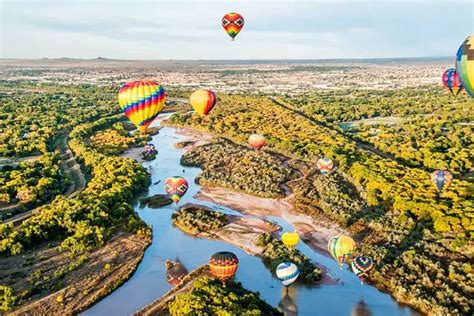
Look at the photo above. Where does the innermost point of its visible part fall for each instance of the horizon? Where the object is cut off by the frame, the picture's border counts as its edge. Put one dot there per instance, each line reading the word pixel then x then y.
pixel 191 30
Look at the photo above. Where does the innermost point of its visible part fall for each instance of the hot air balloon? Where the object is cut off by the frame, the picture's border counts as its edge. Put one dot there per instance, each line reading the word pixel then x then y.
pixel 442 179
pixel 203 101
pixel 141 101
pixel 361 265
pixel 223 265
pixel 232 24
pixel 290 239
pixel 176 187
pixel 341 248
pixel 465 64
pixel 325 165
pixel 287 272
pixel 256 141
pixel 451 81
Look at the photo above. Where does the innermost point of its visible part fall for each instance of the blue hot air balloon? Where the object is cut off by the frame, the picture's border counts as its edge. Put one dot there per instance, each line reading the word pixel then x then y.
pixel 287 272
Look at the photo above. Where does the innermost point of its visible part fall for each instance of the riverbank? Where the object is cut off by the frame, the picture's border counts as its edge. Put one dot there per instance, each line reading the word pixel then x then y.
pixel 316 233
pixel 82 281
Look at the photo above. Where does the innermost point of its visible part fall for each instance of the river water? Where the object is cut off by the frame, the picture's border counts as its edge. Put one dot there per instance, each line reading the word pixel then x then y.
pixel 149 281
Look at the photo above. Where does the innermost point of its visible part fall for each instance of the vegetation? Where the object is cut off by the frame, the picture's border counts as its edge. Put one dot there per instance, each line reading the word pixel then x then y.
pixel 238 168
pixel 209 297
pixel 414 232
pixel 195 220
pixel 116 140
pixel 32 182
pixel 156 201
pixel 275 252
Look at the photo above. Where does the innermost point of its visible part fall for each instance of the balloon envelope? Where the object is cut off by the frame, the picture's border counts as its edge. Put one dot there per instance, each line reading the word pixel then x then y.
pixel 141 101
pixel 325 165
pixel 361 265
pixel 256 141
pixel 465 64
pixel 290 239
pixel 341 248
pixel 287 272
pixel 203 101
pixel 232 24
pixel 223 265
pixel 451 81
pixel 441 178
pixel 176 187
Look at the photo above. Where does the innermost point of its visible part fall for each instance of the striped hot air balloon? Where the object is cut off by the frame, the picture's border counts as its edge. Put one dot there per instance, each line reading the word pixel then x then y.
pixel 465 64
pixel 256 141
pixel 287 272
pixel 290 239
pixel 176 187
pixel 232 24
pixel 325 165
pixel 223 265
pixel 203 101
pixel 341 248
pixel 451 81
pixel 442 179
pixel 141 101
pixel 361 265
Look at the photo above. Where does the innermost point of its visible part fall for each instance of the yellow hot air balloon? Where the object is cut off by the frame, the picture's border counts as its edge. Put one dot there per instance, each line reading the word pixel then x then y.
pixel 203 101
pixel 290 239
pixel 141 101
pixel 341 248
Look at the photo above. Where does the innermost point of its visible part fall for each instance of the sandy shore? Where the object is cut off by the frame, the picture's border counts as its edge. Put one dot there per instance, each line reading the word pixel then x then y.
pixel 195 138
pixel 315 233
pixel 134 153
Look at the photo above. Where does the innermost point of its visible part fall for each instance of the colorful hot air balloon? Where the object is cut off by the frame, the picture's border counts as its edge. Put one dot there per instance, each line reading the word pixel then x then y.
pixel 325 165
pixel 202 101
pixel 232 24
pixel 451 81
pixel 141 101
pixel 256 141
pixel 287 272
pixel 361 265
pixel 442 179
pixel 290 239
pixel 341 248
pixel 176 187
pixel 223 265
pixel 465 64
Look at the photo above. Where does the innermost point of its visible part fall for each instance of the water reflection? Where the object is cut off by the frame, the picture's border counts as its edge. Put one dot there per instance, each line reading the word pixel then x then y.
pixel 361 309
pixel 287 303
pixel 150 282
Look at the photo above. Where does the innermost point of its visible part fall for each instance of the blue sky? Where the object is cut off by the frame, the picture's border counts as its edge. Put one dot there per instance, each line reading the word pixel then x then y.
pixel 157 29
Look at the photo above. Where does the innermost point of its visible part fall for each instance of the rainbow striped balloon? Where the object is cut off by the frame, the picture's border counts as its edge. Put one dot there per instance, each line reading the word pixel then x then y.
pixel 232 24
pixel 465 64
pixel 442 179
pixel 287 272
pixel 141 101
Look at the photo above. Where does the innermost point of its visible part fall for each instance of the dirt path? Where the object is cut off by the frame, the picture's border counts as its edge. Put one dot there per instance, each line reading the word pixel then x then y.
pixel 70 168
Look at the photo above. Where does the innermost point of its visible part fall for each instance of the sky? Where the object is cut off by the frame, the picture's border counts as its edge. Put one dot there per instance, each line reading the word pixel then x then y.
pixel 158 29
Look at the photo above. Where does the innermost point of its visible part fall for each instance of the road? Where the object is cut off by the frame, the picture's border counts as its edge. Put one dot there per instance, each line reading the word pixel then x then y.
pixel 70 168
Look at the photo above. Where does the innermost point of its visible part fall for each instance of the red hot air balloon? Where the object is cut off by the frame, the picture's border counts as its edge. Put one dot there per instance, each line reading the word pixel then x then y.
pixel 256 141
pixel 223 265
pixel 176 187
pixel 232 24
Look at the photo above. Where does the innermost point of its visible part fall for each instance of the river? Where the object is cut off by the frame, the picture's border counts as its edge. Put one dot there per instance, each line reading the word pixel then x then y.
pixel 149 281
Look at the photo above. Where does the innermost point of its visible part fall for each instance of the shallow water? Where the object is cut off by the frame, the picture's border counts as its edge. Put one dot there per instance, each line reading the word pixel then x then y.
pixel 149 281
